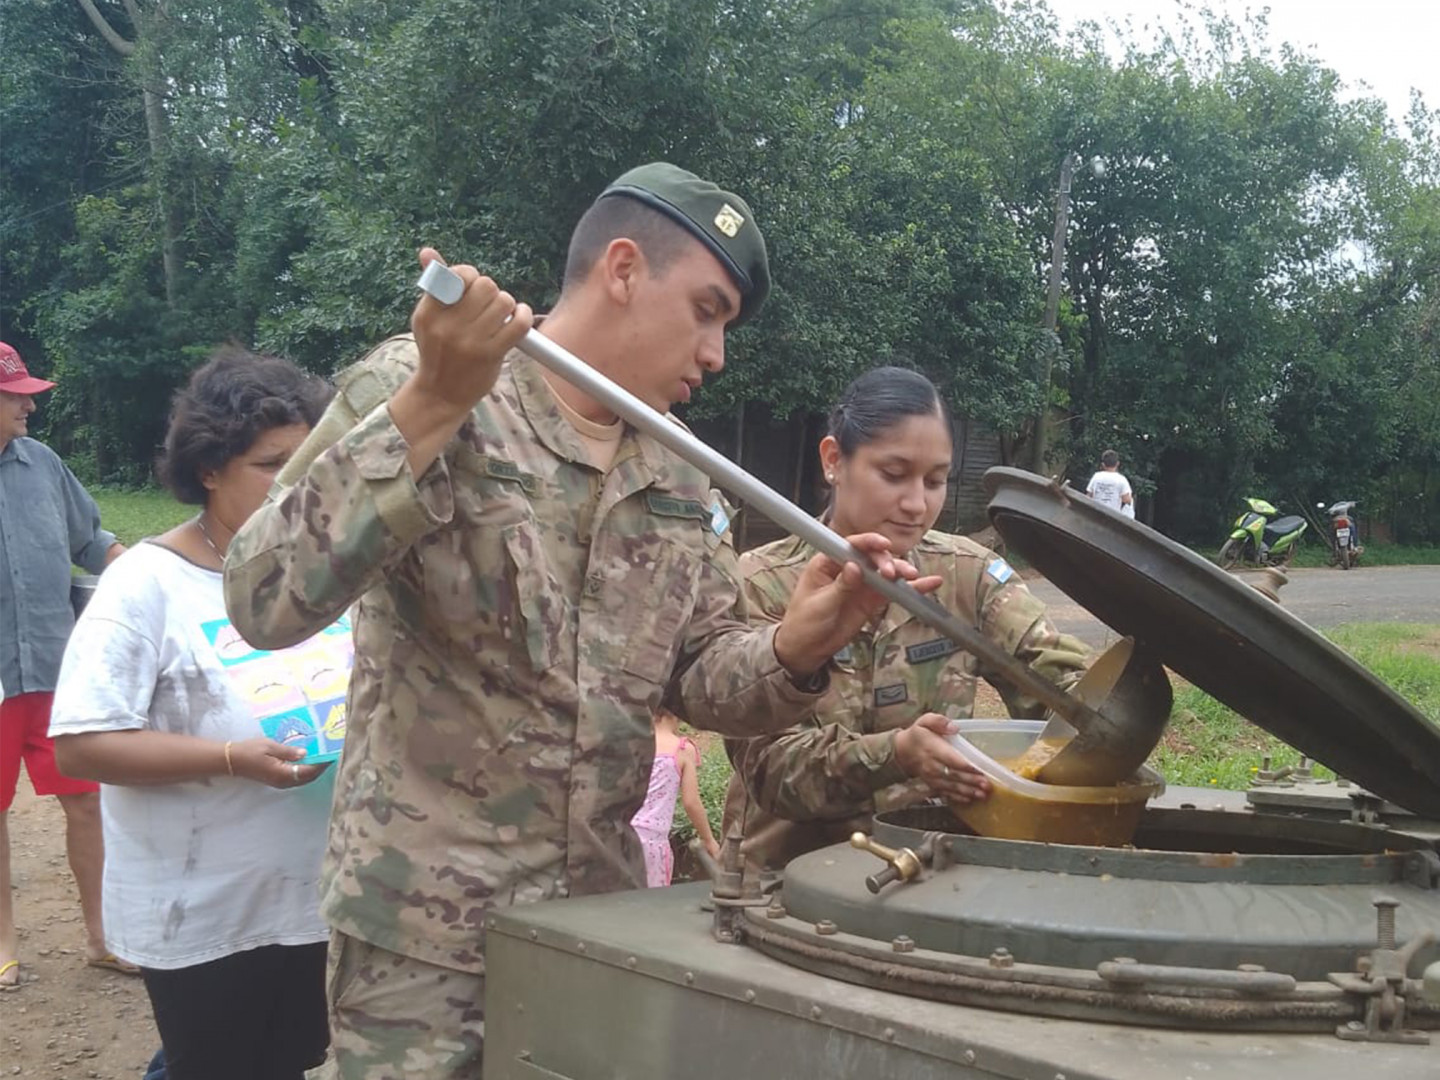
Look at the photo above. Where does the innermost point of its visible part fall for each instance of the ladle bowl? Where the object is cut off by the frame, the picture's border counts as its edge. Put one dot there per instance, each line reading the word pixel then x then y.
pixel 1131 697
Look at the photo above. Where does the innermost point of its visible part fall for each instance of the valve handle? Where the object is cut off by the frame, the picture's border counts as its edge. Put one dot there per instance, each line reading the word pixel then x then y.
pixel 902 865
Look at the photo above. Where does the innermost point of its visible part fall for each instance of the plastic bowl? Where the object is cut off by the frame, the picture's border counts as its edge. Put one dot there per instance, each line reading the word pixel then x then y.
pixel 1020 809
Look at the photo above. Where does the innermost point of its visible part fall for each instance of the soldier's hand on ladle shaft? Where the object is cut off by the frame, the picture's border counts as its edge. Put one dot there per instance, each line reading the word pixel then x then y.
pixel 461 347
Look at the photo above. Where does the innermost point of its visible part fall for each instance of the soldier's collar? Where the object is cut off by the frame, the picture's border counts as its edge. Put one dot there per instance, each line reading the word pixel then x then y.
pixel 897 616
pixel 538 401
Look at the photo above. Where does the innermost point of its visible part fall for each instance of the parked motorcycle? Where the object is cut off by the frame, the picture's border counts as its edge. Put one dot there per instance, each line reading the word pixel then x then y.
pixel 1345 548
pixel 1257 540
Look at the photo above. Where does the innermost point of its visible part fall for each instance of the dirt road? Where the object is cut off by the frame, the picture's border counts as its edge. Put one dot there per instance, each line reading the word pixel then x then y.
pixel 1321 597
pixel 68 1021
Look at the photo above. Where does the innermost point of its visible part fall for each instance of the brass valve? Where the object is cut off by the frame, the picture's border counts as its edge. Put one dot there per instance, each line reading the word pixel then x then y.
pixel 903 865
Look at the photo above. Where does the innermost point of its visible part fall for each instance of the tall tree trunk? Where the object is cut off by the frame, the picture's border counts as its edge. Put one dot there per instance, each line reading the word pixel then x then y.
pixel 156 129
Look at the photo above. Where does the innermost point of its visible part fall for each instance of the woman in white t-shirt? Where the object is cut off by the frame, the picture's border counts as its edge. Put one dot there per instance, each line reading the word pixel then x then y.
pixel 213 834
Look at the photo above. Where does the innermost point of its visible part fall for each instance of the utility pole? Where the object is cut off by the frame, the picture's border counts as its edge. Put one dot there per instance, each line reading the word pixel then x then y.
pixel 1052 307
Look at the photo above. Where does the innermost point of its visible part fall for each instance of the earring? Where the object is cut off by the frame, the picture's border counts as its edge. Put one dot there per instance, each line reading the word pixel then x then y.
pixel 829 477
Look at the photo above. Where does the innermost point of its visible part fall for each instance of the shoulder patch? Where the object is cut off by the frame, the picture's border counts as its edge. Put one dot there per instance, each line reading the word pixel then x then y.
pixel 719 519
pixel 374 378
pixel 1000 570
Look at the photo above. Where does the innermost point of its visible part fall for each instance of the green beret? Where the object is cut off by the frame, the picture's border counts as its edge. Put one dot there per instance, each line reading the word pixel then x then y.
pixel 718 219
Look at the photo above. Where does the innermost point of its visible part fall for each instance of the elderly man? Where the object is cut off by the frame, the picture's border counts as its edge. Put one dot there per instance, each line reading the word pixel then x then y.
pixel 535 578
pixel 47 523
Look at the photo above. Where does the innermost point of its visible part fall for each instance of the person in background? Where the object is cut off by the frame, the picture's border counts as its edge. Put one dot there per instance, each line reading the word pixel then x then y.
pixel 48 523
pixel 1109 486
pixel 877 739
pixel 675 772
pixel 215 833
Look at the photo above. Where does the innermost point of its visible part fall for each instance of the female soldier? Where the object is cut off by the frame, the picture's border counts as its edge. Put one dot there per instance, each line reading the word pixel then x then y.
pixel 876 740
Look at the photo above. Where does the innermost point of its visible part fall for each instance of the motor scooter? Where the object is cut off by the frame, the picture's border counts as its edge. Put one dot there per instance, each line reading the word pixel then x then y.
pixel 1257 540
pixel 1345 548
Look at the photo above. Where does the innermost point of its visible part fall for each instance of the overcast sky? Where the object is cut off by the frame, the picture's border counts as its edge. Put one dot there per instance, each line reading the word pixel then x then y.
pixel 1390 44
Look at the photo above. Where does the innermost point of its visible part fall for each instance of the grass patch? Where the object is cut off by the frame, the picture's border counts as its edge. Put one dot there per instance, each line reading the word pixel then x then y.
pixel 1208 745
pixel 1312 554
pixel 133 515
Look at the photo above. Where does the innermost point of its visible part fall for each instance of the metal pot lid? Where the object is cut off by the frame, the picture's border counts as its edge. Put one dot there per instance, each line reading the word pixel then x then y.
pixel 1223 636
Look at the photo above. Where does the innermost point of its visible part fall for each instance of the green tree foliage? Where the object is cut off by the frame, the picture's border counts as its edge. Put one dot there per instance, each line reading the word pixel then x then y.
pixel 1250 300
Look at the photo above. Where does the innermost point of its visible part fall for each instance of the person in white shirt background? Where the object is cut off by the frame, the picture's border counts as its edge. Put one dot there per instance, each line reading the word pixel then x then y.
pixel 1109 486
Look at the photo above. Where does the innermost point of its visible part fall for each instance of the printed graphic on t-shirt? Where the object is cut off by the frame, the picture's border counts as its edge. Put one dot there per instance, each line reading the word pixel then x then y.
pixel 297 694
pixel 1108 488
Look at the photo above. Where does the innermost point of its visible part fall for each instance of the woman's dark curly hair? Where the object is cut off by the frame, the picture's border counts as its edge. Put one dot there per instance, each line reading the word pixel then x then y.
pixel 229 402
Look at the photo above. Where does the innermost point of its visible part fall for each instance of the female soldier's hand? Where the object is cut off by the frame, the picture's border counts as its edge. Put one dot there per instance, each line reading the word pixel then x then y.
pixel 923 752
pixel 831 603
pixel 269 762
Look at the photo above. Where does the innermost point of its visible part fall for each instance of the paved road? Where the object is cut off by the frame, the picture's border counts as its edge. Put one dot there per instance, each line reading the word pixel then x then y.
pixel 1321 597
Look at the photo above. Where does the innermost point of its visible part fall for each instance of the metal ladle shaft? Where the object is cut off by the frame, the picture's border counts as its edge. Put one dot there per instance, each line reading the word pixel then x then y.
pixel 436 281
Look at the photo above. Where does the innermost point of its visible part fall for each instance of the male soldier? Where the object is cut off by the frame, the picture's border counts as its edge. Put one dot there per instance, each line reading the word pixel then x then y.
pixel 534 579
pixel 47 522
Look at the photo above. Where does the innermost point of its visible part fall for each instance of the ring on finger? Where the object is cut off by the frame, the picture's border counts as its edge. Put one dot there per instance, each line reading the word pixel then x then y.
pixel 945 771
pixel 295 771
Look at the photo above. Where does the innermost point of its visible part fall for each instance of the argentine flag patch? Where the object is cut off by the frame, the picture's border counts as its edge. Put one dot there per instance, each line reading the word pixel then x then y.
pixel 1000 570
pixel 719 520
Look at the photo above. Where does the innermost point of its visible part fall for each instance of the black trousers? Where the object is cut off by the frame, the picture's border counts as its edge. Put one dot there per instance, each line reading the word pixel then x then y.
pixel 254 1015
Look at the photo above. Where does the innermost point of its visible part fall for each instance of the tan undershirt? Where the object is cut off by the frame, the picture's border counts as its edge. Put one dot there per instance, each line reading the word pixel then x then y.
pixel 601 441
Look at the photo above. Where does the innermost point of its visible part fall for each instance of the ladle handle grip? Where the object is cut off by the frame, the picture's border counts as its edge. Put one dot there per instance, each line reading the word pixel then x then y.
pixel 772 504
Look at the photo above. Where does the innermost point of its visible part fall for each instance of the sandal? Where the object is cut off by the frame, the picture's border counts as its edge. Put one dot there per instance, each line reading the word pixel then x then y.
pixel 10 965
pixel 111 962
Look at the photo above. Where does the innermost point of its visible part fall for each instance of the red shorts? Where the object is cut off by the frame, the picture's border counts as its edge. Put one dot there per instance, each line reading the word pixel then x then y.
pixel 24 723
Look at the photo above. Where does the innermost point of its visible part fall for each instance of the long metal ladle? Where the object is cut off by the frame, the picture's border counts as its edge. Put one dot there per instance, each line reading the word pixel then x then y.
pixel 447 287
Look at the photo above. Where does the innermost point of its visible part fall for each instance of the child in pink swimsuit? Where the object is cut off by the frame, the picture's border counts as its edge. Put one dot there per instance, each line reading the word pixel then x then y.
pixel 677 760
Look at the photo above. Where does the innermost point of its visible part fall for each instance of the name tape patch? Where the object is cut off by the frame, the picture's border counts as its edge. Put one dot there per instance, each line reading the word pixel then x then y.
pixel 669 506
pixel 930 650
pixel 500 469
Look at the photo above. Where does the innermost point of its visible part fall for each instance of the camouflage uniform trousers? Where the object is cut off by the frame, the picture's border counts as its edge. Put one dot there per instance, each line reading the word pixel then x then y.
pixel 393 1017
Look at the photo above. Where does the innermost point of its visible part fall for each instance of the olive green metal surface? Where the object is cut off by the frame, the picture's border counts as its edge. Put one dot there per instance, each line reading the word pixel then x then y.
pixel 632 987
pixel 1303 914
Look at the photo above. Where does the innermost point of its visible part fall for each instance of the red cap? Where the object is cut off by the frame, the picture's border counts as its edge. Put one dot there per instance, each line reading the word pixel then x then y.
pixel 14 378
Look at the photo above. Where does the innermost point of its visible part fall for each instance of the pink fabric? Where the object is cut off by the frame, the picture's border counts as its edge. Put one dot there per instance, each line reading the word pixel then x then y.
pixel 656 815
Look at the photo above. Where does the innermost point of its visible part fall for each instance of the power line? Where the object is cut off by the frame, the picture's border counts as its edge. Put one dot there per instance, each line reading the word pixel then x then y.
pixel 122 179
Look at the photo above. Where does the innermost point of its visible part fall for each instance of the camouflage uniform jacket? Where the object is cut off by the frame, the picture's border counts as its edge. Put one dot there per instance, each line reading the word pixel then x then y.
pixel 818 782
pixel 520 616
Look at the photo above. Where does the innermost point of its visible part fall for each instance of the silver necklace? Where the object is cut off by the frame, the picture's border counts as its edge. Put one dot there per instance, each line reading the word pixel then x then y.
pixel 200 523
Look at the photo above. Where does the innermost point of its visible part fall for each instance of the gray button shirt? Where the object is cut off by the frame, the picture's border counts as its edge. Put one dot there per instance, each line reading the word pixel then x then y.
pixel 47 522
